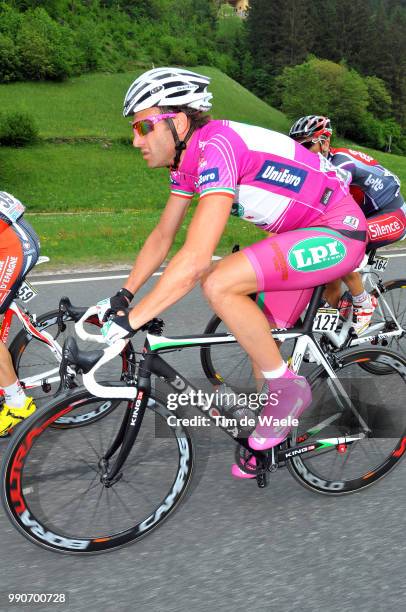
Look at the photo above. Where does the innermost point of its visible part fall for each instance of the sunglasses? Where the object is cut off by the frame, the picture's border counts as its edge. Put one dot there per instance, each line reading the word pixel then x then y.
pixel 307 144
pixel 145 126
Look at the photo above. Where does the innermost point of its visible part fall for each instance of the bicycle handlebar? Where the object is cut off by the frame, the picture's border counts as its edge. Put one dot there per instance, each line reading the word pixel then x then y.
pixel 108 354
pixel 82 333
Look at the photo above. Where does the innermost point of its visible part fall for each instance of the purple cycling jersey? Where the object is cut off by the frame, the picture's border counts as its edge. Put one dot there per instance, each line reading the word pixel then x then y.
pixel 379 186
pixel 275 183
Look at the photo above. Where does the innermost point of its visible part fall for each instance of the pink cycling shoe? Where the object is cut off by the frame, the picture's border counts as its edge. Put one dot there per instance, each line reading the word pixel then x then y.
pixel 237 472
pixel 289 396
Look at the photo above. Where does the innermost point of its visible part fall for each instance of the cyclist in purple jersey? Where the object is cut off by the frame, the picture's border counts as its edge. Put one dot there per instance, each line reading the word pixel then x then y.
pixel 377 191
pixel 264 178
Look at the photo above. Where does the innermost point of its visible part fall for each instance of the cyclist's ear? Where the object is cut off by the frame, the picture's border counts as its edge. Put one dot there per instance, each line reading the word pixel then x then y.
pixel 325 146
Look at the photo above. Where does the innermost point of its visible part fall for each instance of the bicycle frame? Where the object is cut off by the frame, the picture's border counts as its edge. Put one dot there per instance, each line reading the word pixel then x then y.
pixel 152 363
pixel 343 338
pixel 25 319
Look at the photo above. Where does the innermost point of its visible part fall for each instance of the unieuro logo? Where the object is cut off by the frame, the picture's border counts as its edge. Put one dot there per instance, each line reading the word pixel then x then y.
pixel 392 227
pixel 316 254
pixel 209 176
pixel 374 182
pixel 289 177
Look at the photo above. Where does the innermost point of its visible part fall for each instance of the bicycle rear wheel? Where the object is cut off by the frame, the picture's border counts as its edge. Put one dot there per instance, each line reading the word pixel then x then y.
pixel 362 441
pixel 37 366
pixel 51 479
pixel 391 302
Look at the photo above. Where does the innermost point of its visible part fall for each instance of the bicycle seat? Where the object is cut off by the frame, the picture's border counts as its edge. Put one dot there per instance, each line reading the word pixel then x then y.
pixel 76 312
pixel 73 355
pixel 42 259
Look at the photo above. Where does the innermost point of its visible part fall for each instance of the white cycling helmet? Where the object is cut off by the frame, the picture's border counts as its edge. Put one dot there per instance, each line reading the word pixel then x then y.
pixel 168 87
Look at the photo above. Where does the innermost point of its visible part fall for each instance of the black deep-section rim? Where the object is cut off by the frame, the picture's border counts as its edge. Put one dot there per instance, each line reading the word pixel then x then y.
pixel 308 479
pixel 17 508
pixel 381 369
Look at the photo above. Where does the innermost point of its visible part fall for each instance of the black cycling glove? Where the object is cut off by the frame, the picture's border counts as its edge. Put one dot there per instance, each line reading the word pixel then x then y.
pixel 119 301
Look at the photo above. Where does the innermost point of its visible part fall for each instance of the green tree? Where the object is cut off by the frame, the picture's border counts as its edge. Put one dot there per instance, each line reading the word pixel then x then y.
pixel 380 101
pixel 45 48
pixel 9 60
pixel 304 91
pixel 321 87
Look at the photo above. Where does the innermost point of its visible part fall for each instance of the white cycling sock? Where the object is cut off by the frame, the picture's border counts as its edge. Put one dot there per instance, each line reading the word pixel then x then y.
pixel 363 299
pixel 14 395
pixel 278 373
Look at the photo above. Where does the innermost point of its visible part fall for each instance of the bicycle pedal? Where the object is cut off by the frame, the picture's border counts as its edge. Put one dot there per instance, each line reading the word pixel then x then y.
pixel 262 480
pixel 46 387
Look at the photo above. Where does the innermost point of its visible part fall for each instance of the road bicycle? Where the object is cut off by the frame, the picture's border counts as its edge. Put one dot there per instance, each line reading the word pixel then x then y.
pixel 97 488
pixel 36 350
pixel 387 328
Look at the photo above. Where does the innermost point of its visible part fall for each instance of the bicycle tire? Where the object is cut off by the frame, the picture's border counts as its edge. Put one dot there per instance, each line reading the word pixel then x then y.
pixel 30 356
pixel 44 466
pixel 230 364
pixel 373 457
pixel 397 343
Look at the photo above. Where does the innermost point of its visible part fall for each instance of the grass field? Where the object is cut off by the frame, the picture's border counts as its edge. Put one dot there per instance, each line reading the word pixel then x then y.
pixel 89 239
pixel 64 172
pixel 91 105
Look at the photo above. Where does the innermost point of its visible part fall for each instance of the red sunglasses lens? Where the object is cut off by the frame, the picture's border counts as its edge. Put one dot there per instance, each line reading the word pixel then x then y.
pixel 143 127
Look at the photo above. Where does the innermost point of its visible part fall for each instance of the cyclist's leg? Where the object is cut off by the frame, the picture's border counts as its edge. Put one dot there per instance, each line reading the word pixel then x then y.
pixel 333 292
pixel 285 260
pixel 18 253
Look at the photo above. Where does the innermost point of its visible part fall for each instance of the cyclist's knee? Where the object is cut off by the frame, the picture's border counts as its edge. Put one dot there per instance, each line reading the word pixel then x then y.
pixel 351 276
pixel 213 284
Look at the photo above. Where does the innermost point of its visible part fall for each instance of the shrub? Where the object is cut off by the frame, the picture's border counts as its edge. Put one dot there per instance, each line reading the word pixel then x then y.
pixel 9 60
pixel 17 129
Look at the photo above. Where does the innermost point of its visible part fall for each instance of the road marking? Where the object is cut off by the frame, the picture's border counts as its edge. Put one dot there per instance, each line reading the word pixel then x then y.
pixel 101 278
pixel 83 280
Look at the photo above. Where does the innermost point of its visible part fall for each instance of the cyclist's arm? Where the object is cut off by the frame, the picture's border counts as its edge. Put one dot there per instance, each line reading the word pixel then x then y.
pixel 158 243
pixel 190 262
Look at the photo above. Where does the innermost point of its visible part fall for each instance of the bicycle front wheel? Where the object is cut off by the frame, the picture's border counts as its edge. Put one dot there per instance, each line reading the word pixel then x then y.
pixel 390 311
pixel 51 480
pixel 229 363
pixel 360 421
pixel 37 365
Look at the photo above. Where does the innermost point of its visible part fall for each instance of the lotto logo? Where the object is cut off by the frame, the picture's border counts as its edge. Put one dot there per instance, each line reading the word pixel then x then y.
pixel 282 175
pixel 361 155
pixel 373 181
pixel 314 254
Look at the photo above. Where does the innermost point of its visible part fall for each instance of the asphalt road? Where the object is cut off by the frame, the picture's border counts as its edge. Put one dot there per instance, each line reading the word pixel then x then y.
pixel 231 546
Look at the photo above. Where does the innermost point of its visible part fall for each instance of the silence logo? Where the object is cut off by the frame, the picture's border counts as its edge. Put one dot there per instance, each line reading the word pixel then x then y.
pixel 316 254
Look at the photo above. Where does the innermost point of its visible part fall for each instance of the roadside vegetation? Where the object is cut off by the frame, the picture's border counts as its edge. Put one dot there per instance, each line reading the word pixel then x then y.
pixel 82 162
